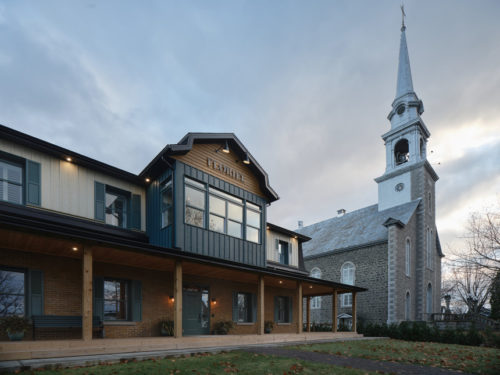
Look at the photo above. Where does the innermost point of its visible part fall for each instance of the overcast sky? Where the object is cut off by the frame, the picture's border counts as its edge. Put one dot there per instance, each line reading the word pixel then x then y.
pixel 305 85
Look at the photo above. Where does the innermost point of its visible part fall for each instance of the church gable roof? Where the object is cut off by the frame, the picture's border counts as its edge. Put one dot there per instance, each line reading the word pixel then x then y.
pixel 354 229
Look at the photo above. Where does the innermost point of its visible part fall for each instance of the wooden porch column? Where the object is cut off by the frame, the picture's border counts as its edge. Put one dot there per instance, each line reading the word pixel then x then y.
pixel 87 294
pixel 178 299
pixel 300 316
pixel 308 314
pixel 260 306
pixel 334 311
pixel 354 311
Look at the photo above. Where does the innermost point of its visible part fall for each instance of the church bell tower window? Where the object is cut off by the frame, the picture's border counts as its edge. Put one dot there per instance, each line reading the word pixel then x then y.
pixel 401 152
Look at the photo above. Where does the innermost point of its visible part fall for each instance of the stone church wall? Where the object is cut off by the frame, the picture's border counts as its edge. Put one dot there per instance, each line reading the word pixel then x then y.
pixel 370 272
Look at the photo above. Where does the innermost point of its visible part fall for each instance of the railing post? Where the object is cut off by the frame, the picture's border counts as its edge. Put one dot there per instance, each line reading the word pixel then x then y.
pixel 87 294
pixel 178 299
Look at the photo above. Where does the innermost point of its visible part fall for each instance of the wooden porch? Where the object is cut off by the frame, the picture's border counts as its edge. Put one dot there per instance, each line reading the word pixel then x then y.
pixel 68 348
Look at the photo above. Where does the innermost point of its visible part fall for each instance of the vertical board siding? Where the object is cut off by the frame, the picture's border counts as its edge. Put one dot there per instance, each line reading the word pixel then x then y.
pixel 202 241
pixel 157 235
pixel 67 187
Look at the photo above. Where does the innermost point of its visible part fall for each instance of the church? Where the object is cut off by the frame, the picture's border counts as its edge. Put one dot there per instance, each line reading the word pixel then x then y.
pixel 391 247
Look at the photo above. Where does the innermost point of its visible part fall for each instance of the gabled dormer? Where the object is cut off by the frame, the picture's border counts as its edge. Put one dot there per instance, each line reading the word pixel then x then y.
pixel 208 195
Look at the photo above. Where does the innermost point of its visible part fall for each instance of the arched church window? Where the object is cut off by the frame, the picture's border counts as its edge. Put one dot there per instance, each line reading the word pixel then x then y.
pixel 429 248
pixel 316 301
pixel 402 152
pixel 407 306
pixel 429 299
pixel 407 256
pixel 347 273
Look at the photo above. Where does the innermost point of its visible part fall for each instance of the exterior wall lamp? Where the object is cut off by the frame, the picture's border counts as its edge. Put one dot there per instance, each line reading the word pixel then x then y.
pixel 171 298
pixel 224 149
pixel 214 301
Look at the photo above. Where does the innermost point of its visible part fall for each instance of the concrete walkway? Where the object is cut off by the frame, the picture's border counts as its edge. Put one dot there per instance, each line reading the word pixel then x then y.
pixel 353 362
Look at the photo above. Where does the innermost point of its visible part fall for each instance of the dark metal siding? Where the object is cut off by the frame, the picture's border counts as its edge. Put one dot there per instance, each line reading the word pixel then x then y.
pixel 157 236
pixel 205 242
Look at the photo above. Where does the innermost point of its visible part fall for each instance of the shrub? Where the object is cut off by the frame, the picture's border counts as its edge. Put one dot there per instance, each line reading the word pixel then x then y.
pixel 223 327
pixel 13 324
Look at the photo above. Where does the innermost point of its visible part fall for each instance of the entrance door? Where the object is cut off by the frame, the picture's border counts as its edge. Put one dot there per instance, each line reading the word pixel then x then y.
pixel 195 311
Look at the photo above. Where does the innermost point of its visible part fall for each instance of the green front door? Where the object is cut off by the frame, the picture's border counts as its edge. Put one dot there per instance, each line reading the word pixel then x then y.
pixel 195 311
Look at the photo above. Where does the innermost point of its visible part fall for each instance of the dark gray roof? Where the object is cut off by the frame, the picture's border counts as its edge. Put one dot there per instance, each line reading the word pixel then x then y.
pixel 354 229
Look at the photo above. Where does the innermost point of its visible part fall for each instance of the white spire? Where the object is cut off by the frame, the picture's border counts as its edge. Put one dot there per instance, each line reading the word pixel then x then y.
pixel 405 84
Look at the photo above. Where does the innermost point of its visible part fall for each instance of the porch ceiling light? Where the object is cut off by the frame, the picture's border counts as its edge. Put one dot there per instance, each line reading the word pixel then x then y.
pixel 246 160
pixel 74 248
pixel 281 281
pixel 147 179
pixel 68 159
pixel 310 286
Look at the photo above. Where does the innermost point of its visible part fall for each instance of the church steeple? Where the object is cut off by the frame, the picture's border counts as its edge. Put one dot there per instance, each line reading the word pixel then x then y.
pixel 406 141
pixel 405 83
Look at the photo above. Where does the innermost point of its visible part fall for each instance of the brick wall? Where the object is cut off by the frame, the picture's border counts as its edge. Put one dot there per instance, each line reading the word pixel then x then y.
pixel 63 295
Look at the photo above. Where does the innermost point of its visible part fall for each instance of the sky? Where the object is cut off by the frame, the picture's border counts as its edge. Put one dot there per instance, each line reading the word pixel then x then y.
pixel 305 85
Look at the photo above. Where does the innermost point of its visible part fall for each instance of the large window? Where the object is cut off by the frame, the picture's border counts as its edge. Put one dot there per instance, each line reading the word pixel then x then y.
pixel 195 203
pixel 11 182
pixel 226 213
pixel 245 307
pixel 316 301
pixel 12 292
pixel 116 299
pixel 283 313
pixel 116 207
pixel 347 277
pixel 253 222
pixel 407 257
pixel 167 203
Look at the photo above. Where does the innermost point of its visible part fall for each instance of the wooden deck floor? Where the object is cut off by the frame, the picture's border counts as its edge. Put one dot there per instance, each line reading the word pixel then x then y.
pixel 67 348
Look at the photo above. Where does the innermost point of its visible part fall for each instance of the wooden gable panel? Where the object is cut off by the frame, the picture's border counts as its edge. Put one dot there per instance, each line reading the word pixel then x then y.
pixel 203 156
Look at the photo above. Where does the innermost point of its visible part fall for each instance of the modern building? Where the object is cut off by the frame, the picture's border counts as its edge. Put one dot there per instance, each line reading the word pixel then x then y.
pixel 89 251
pixel 392 246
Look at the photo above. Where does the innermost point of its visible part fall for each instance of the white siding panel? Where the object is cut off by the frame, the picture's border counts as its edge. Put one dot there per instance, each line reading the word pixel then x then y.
pixel 271 254
pixel 69 188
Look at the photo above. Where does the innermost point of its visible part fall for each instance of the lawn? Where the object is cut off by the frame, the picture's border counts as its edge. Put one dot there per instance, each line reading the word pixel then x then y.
pixel 476 360
pixel 223 363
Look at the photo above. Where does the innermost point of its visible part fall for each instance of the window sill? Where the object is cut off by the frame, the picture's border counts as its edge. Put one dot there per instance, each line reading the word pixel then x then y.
pixel 118 323
pixel 283 324
pixel 245 323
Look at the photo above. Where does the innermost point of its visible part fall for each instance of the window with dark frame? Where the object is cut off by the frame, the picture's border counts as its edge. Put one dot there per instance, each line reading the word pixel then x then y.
pixel 167 203
pixel 116 299
pixel 225 212
pixel 245 308
pixel 12 292
pixel 195 203
pixel 116 209
pixel 253 222
pixel 11 182
pixel 283 252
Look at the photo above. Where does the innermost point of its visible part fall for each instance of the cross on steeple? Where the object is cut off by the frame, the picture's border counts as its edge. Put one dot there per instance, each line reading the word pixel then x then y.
pixel 403 15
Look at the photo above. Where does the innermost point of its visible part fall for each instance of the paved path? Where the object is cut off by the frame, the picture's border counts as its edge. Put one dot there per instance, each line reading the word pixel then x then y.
pixel 357 363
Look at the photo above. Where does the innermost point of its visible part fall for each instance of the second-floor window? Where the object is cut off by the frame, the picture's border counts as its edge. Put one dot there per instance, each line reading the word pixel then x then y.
pixel 11 182
pixel 221 212
pixel 116 208
pixel 283 252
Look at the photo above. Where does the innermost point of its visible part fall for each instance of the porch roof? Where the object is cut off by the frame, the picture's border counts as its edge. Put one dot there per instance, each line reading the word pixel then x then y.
pixel 66 230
